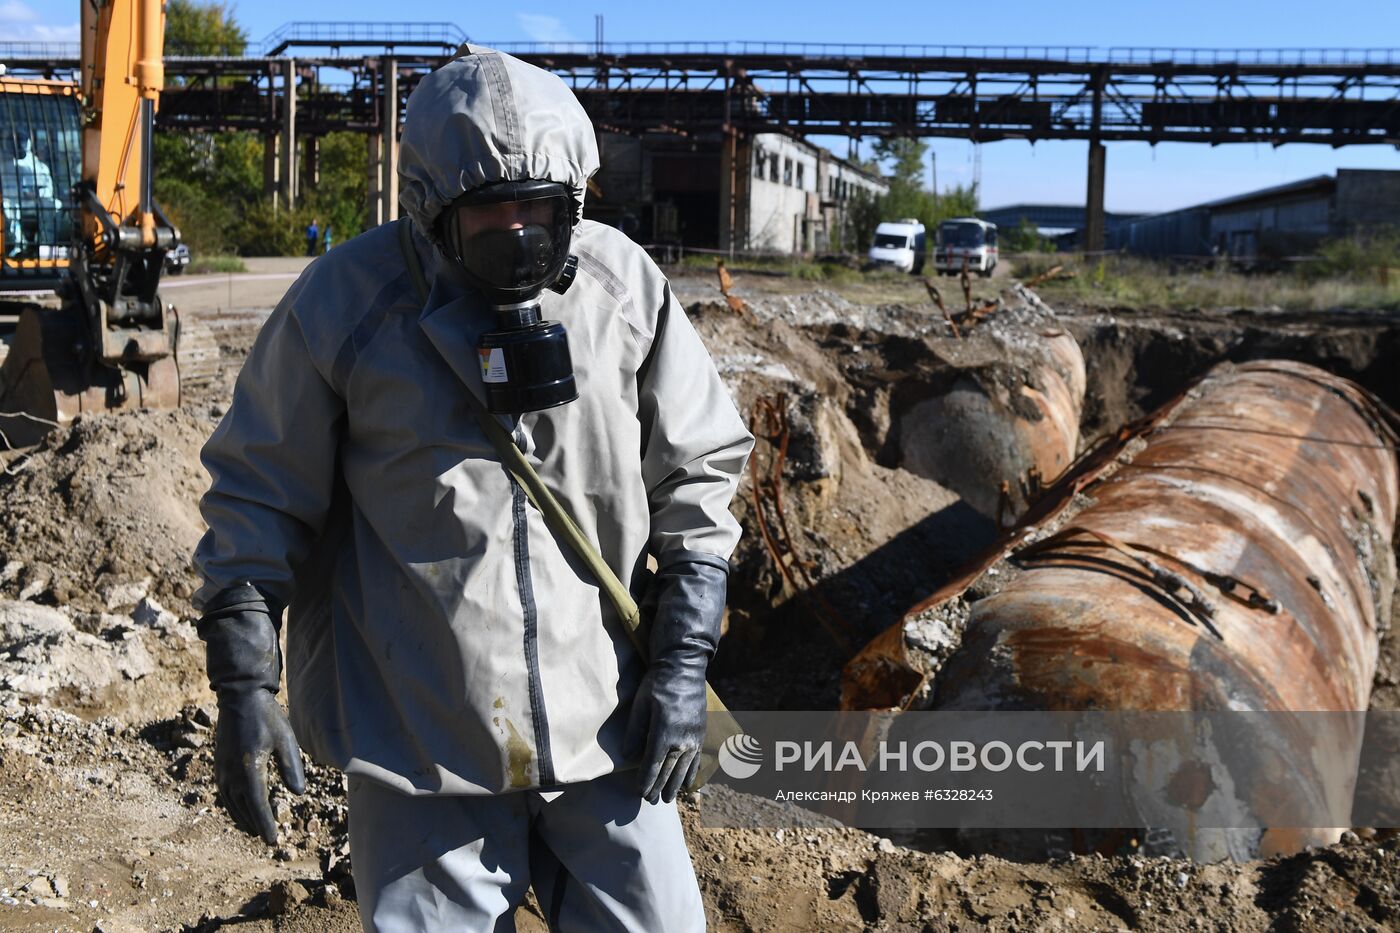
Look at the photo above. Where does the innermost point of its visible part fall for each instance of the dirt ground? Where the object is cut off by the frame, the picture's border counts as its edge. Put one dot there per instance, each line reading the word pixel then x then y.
pixel 108 817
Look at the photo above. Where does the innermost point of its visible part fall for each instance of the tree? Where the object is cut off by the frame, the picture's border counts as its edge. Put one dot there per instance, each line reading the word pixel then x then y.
pixel 862 216
pixel 906 156
pixel 211 184
pixel 1025 238
pixel 908 197
pixel 194 28
pixel 202 179
pixel 205 182
pixel 905 160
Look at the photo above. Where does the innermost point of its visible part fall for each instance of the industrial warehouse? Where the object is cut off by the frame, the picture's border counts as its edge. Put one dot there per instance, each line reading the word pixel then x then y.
pixel 1287 220
pixel 554 484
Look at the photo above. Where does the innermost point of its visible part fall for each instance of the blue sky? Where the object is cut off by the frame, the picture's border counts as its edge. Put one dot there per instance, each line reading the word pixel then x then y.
pixel 1140 177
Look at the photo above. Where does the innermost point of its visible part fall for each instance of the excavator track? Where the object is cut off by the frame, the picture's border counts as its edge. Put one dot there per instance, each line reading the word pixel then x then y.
pixel 196 353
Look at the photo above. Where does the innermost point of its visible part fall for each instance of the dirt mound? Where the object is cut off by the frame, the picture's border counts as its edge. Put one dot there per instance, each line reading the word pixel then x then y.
pixel 834 542
pixel 105 827
pixel 1138 359
pixel 105 511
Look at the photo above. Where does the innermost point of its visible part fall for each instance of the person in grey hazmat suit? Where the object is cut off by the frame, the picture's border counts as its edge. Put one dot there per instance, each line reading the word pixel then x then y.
pixel 444 649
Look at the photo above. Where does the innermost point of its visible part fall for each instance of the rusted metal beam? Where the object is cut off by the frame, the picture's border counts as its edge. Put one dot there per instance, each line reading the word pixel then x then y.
pixel 769 422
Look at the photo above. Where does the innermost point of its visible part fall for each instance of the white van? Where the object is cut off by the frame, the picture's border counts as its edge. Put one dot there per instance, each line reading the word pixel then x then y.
pixel 900 244
pixel 965 240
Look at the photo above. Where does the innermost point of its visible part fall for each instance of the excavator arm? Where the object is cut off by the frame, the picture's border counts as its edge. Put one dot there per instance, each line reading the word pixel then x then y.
pixel 117 265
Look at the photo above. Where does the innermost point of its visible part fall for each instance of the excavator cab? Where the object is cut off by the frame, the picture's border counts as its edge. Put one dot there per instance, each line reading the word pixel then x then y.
pixel 40 163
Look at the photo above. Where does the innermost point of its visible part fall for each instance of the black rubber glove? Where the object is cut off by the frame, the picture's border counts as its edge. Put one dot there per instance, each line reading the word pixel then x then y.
pixel 245 666
pixel 669 709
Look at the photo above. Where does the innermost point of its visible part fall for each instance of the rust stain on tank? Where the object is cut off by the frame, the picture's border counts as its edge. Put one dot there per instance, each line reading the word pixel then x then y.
pixel 1228 545
pixel 1037 647
pixel 1190 786
pixel 1241 560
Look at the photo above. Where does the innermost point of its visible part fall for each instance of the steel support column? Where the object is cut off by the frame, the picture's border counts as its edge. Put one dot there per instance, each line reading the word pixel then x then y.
pixel 1093 200
pixel 728 193
pixel 374 170
pixel 390 185
pixel 270 186
pixel 1093 203
pixel 311 164
pixel 288 180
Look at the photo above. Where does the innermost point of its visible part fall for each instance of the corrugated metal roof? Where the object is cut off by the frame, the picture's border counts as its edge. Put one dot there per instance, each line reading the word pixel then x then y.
pixel 1317 183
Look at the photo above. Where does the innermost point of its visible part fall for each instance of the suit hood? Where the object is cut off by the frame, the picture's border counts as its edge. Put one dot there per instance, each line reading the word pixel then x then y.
pixel 487 117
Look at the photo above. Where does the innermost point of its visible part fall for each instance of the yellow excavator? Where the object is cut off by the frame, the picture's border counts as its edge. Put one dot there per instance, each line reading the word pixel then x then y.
pixel 77 217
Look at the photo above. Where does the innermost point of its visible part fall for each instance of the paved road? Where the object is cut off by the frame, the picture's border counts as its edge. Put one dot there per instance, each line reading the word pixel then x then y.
pixel 261 286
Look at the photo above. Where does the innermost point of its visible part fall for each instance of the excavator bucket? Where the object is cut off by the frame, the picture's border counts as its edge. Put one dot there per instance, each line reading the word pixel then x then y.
pixel 44 383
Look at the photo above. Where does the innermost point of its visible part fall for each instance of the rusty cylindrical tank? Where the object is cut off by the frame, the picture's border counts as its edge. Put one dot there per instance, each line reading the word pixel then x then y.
pixel 1241 561
pixel 1008 425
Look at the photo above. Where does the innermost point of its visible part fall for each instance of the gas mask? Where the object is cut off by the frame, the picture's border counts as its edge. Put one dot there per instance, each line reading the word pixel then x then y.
pixel 510 241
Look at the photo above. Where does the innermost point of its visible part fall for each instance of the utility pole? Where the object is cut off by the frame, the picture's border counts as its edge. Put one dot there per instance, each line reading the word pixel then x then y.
pixel 933 176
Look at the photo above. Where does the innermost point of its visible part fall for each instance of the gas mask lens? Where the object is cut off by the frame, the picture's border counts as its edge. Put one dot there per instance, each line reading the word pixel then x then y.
pixel 511 239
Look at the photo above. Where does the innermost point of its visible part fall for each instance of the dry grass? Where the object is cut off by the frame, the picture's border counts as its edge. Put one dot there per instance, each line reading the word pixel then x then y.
pixel 1124 281
pixel 1109 282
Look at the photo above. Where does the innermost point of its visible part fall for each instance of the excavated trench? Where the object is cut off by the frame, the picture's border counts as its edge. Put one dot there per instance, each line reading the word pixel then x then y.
pixel 1139 359
pixel 875 536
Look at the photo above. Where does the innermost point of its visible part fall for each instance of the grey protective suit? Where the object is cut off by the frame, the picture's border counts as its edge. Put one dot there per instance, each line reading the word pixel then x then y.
pixel 440 641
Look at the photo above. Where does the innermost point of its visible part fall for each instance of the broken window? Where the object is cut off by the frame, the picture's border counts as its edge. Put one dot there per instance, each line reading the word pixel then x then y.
pixel 773 167
pixel 800 168
pixel 787 172
pixel 760 160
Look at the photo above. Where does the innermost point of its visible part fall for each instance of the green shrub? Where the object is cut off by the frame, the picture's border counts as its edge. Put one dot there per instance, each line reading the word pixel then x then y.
pixel 206 265
pixel 1025 238
pixel 1368 256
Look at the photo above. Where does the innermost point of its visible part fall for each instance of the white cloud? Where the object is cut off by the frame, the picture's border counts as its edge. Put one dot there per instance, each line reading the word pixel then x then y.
pixel 22 24
pixel 43 33
pixel 12 11
pixel 542 28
